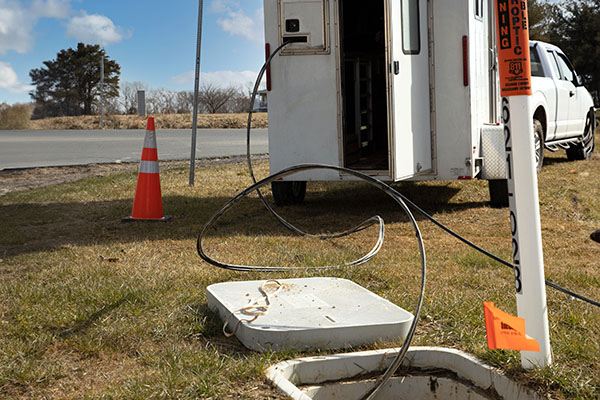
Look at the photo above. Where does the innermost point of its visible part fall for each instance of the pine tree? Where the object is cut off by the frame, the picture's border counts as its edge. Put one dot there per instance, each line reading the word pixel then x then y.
pixel 69 85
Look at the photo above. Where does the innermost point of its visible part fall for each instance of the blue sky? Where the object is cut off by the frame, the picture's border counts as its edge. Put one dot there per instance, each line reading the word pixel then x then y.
pixel 154 41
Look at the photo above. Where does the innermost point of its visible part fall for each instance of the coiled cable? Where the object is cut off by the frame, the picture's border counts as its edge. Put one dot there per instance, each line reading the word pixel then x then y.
pixel 374 182
pixel 398 197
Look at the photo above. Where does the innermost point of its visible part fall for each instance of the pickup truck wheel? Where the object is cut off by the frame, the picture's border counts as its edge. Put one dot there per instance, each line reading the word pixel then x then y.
pixel 584 149
pixel 538 138
pixel 286 193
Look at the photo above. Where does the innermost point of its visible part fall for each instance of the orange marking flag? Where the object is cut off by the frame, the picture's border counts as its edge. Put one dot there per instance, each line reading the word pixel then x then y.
pixel 505 331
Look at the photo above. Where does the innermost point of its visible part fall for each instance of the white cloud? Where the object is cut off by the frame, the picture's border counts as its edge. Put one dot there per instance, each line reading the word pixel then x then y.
pixel 59 9
pixel 94 29
pixel 221 6
pixel 16 24
pixel 17 21
pixel 237 22
pixel 223 79
pixel 10 81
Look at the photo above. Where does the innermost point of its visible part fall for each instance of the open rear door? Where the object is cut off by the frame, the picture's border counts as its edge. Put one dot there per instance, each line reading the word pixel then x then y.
pixel 410 100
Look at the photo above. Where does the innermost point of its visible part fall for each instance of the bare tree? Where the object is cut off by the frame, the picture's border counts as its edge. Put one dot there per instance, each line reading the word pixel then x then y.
pixel 185 102
pixel 165 101
pixel 112 106
pixel 240 102
pixel 128 96
pixel 214 99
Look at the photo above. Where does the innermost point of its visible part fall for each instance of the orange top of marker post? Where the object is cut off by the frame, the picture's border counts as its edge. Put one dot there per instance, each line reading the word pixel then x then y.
pixel 512 32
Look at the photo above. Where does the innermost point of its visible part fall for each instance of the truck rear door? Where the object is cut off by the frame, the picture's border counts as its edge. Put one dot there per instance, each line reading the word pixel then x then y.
pixel 410 98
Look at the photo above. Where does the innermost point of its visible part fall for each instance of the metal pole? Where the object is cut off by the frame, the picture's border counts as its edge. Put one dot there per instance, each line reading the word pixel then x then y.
pixel 196 88
pixel 101 90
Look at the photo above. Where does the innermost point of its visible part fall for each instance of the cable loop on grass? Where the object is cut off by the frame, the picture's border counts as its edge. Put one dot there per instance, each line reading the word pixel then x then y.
pixel 374 182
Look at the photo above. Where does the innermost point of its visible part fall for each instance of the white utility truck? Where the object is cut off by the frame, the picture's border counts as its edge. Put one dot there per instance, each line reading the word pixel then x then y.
pixel 405 90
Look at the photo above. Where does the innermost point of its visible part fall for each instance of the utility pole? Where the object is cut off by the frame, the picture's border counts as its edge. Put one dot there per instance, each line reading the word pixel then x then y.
pixel 101 91
pixel 196 88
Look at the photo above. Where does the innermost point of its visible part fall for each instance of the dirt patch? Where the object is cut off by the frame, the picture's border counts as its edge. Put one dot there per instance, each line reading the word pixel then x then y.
pixel 14 180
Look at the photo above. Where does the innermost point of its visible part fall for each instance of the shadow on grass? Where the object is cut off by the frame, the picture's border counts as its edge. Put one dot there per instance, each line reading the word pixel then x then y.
pixel 83 325
pixel 555 159
pixel 34 227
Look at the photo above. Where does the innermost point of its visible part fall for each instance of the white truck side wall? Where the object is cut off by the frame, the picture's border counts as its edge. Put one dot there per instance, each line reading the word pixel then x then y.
pixel 304 125
pixel 452 98
pixel 479 73
pixel 303 102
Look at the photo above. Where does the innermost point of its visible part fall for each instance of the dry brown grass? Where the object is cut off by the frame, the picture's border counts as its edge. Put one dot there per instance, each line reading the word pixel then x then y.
pixel 163 121
pixel 15 116
pixel 137 326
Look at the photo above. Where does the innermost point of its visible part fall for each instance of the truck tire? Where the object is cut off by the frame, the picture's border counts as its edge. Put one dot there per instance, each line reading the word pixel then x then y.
pixel 286 193
pixel 584 149
pixel 538 141
pixel 498 192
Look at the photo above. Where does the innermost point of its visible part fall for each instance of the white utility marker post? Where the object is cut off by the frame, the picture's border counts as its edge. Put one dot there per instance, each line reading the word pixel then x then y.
pixel 517 116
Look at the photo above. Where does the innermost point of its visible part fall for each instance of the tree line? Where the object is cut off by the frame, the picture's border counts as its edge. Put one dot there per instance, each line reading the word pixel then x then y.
pixel 69 84
pixel 211 100
pixel 574 26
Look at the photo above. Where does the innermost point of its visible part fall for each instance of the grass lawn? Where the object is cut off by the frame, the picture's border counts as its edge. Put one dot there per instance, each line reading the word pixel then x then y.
pixel 91 307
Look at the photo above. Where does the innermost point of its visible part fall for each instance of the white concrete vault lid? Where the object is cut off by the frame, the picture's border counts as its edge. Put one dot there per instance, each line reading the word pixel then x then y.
pixel 310 313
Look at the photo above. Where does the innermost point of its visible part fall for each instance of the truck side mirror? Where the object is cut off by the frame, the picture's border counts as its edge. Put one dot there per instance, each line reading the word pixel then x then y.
pixel 578 80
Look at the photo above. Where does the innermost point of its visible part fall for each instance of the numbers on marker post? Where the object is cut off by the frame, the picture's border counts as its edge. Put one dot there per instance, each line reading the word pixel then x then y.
pixel 518 283
pixel 513 215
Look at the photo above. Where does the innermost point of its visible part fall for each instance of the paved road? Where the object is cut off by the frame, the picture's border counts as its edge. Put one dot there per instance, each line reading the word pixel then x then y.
pixel 23 149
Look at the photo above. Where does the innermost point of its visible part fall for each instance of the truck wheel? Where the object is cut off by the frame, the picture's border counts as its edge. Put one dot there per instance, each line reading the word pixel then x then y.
pixel 538 139
pixel 584 149
pixel 286 193
pixel 498 192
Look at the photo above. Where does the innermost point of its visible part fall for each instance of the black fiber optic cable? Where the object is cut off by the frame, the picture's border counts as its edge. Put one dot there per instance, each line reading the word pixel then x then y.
pixel 374 182
pixel 403 201
pixel 406 200
pixel 490 255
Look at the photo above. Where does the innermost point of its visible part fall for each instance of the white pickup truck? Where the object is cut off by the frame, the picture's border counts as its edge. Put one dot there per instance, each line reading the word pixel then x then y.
pixel 564 115
pixel 563 108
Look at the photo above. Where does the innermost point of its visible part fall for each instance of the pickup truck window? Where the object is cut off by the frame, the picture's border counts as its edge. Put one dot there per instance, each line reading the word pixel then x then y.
pixel 565 67
pixel 554 64
pixel 536 65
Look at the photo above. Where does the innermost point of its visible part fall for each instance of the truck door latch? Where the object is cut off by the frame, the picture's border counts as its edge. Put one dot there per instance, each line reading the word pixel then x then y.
pixel 396 67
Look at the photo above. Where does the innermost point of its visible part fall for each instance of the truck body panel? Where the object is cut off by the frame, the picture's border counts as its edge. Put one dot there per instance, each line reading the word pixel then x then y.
pixel 400 89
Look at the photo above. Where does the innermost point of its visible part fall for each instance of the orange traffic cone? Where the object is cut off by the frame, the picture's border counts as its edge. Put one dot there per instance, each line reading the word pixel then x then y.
pixel 147 204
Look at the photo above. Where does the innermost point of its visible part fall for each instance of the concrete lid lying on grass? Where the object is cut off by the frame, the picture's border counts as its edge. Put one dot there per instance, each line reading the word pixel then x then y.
pixel 310 313
pixel 429 373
